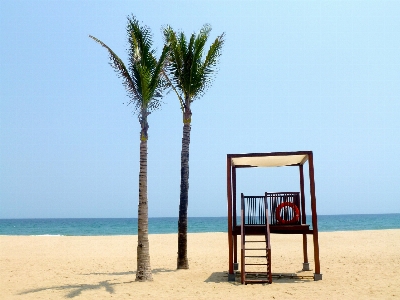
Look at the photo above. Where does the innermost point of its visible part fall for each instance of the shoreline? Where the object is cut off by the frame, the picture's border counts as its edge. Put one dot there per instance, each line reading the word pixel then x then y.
pixel 175 233
pixel 353 263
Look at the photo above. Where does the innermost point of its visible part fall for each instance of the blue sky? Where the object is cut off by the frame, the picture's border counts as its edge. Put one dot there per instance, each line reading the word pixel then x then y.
pixel 294 75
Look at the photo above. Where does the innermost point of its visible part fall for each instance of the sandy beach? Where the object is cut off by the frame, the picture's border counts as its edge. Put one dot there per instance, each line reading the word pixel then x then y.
pixel 358 264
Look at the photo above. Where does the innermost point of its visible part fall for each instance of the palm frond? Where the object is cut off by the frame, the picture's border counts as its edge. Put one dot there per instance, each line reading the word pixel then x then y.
pixel 207 70
pixel 213 54
pixel 189 65
pixel 190 73
pixel 122 71
pixel 140 39
pixel 199 44
pixel 156 83
pixel 144 66
pixel 174 65
pixel 197 80
pixel 170 84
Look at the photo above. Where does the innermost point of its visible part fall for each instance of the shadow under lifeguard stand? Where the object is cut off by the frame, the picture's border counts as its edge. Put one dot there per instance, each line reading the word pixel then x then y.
pixel 286 210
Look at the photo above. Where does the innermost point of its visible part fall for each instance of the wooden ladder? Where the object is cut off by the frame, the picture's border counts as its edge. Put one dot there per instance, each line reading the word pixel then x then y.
pixel 255 251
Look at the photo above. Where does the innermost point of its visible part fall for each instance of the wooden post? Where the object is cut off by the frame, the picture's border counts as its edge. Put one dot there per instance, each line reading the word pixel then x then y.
pixel 242 240
pixel 302 195
pixel 234 212
pixel 306 266
pixel 231 275
pixel 317 274
pixel 233 197
pixel 268 237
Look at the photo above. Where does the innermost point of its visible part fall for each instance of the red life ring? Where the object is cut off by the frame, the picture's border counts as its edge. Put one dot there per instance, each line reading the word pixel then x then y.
pixel 296 213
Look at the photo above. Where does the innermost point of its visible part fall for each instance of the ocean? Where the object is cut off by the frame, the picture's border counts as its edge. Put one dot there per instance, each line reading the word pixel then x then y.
pixel 93 227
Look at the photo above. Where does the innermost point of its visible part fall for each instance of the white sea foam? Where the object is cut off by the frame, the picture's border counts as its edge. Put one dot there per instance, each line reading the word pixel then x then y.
pixel 46 235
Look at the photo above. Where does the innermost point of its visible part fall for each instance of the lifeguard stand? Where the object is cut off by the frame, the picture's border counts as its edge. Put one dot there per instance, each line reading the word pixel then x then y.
pixel 286 211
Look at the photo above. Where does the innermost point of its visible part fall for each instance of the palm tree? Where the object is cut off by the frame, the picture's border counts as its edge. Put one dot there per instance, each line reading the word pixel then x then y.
pixel 191 75
pixel 143 83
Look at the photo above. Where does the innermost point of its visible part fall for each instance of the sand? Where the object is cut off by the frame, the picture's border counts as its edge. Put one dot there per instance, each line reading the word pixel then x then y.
pixel 358 264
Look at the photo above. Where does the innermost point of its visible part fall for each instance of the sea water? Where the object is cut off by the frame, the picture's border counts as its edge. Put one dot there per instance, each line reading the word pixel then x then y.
pixel 92 227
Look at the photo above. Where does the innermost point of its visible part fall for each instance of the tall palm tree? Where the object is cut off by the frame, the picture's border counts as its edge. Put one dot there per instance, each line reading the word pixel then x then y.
pixel 143 82
pixel 189 74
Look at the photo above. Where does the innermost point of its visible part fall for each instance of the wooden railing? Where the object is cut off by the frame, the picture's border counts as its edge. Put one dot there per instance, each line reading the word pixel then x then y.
pixel 254 208
pixel 286 212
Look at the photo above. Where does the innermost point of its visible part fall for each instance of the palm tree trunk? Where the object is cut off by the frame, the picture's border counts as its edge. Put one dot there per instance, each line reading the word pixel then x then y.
pixel 182 262
pixel 143 272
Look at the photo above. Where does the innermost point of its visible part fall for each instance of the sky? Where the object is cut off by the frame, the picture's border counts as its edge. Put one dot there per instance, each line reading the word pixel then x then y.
pixel 293 75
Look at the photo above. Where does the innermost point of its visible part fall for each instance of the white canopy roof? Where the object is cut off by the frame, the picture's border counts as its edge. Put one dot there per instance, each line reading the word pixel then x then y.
pixel 269 159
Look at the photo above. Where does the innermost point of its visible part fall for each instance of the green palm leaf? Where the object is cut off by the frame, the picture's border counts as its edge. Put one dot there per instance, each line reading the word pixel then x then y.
pixel 142 78
pixel 190 74
pixel 122 71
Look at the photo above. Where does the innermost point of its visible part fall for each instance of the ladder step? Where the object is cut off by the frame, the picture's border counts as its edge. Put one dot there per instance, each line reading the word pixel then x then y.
pixel 255 256
pixel 255 241
pixel 255 265
pixel 255 248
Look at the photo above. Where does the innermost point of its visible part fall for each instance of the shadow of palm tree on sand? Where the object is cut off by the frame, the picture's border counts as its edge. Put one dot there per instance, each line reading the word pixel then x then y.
pixel 77 289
